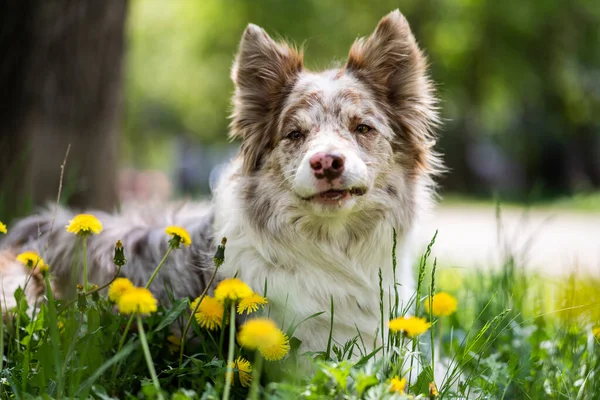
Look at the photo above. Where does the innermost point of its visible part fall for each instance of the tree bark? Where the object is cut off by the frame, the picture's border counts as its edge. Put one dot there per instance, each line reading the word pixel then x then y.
pixel 61 76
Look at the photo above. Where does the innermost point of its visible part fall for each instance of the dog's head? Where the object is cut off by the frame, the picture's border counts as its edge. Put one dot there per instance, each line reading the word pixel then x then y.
pixel 334 142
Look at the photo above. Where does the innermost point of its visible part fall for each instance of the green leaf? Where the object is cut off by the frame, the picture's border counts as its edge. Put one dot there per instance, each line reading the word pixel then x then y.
pixel 366 358
pixel 421 386
pixel 292 329
pixel 179 306
pixel 363 382
pixel 125 351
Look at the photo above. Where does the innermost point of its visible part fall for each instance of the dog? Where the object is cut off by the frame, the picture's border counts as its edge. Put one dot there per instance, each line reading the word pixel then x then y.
pixel 331 164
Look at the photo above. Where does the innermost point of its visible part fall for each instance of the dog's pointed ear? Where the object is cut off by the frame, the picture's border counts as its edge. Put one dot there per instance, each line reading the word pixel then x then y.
pixel 263 73
pixel 392 65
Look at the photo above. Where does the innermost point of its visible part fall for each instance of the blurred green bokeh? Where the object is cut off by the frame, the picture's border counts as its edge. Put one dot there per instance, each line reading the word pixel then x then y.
pixel 518 80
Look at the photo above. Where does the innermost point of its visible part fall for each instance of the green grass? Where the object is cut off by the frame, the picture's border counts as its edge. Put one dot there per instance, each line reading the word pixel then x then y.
pixel 514 336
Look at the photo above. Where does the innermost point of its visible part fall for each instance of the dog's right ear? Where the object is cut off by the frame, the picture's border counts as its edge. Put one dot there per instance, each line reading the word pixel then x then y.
pixel 263 73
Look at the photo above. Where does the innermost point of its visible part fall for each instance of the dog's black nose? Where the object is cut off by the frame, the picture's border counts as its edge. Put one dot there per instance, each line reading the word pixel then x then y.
pixel 327 165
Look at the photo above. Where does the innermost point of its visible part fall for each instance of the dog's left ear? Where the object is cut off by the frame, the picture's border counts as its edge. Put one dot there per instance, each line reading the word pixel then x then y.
pixel 392 65
pixel 263 73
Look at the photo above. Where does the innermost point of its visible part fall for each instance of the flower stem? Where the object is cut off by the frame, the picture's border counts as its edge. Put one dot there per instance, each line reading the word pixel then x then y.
pixel 126 331
pixel 54 335
pixel 439 338
pixel 192 316
pixel 432 336
pixel 85 269
pixel 121 343
pixel 256 371
pixel 230 352
pixel 148 356
pixel 22 298
pixel 27 356
pixel 159 267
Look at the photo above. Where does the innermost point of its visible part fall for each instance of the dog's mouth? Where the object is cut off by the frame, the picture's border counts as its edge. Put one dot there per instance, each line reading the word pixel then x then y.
pixel 336 196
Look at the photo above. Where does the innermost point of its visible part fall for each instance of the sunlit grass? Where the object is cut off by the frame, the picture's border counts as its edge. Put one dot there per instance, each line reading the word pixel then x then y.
pixel 580 202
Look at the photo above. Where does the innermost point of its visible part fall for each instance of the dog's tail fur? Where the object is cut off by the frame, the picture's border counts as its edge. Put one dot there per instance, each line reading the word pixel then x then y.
pixel 142 232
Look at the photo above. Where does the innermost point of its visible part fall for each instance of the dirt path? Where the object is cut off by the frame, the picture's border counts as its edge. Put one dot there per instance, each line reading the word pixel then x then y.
pixel 554 241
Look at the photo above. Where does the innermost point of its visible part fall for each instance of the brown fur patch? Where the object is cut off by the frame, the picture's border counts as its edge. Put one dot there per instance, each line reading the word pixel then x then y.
pixel 263 73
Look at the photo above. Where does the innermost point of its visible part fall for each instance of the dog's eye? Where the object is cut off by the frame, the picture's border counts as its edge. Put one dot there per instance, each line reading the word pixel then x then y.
pixel 295 135
pixel 362 128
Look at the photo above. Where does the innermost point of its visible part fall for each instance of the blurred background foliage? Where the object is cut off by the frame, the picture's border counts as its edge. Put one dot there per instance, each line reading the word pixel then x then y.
pixel 519 83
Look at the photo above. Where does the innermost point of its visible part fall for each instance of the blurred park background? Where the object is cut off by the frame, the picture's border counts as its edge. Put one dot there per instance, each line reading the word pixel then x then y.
pixel 141 91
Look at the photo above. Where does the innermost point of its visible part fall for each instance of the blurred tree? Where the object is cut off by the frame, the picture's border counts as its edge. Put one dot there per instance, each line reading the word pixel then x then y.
pixel 61 77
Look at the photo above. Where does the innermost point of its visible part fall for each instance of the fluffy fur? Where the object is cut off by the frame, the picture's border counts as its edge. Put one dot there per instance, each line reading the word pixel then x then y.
pixel 312 235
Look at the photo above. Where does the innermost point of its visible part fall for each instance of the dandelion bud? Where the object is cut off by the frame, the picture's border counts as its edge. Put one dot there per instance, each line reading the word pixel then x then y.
pixel 79 287
pixel 219 257
pixel 119 258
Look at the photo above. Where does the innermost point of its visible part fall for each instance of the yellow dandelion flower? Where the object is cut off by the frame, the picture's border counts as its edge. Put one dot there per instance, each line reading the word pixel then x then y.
pixel 210 313
pixel 118 287
pixel 398 385
pixel 3 228
pixel 232 289
pixel 179 234
pixel 433 392
pixel 84 224
pixel 264 335
pixel 137 300
pixel 33 260
pixel 251 303
pixel 596 332
pixel 244 370
pixel 276 350
pixel 173 344
pixel 411 326
pixel 443 304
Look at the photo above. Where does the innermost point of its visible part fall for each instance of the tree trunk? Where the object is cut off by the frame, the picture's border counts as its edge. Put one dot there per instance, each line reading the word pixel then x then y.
pixel 61 75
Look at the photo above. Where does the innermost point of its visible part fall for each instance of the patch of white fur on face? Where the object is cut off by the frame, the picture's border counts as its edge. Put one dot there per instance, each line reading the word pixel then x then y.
pixel 327 108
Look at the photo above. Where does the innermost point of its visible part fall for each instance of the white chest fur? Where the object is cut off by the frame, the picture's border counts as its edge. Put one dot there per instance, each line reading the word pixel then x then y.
pixel 303 278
